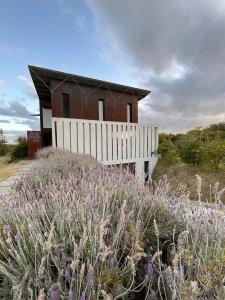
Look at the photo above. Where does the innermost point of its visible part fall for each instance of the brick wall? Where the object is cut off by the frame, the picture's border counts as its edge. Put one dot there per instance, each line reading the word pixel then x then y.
pixel 34 141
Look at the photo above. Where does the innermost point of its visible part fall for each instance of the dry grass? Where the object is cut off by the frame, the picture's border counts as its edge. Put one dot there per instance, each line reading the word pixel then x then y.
pixel 9 169
pixel 185 174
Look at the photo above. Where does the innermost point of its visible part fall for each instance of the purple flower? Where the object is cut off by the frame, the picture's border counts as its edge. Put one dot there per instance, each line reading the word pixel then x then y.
pixel 112 262
pixel 90 203
pixel 149 267
pixel 8 229
pixel 18 236
pixel 126 236
pixel 67 274
pixel 56 259
pixel 70 295
pixel 56 249
pixel 83 296
pixel 53 294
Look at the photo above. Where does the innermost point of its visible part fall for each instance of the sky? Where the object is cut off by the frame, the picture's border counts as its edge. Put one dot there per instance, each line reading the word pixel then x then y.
pixel 173 48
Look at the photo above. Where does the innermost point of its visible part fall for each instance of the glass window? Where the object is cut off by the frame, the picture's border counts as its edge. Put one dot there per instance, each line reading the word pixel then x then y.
pixel 101 110
pixel 47 117
pixel 66 106
pixel 129 113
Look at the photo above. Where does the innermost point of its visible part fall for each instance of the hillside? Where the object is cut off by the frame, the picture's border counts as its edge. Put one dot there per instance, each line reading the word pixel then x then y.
pixel 185 174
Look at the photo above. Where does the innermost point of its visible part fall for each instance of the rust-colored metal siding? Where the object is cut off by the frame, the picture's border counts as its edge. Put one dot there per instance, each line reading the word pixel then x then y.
pixel 86 107
pixel 34 141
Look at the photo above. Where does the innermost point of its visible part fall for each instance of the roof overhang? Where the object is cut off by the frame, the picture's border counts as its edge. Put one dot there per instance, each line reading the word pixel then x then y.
pixel 42 78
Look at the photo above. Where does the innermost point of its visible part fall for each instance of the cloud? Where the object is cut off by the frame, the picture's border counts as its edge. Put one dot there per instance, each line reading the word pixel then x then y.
pixel 14 109
pixel 4 121
pixel 29 86
pixel 12 135
pixel 81 21
pixel 2 81
pixel 18 114
pixel 177 50
pixel 34 124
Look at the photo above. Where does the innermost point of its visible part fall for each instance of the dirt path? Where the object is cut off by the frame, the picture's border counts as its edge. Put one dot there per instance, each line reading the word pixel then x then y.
pixel 6 184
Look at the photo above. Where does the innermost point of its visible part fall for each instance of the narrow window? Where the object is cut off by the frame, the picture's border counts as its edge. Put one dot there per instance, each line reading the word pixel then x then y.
pixel 101 110
pixel 66 106
pixel 129 113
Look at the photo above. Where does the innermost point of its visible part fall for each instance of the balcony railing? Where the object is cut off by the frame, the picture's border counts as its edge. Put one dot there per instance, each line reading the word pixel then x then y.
pixel 109 142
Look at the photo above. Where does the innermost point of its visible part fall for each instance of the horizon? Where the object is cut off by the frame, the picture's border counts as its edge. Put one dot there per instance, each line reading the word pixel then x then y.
pixel 174 50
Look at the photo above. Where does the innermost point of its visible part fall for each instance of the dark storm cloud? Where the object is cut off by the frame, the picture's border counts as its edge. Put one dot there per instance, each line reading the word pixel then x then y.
pixel 14 109
pixel 177 48
pixel 18 113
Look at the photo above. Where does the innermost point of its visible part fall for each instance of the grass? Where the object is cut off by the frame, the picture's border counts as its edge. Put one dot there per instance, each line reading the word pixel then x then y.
pixel 9 169
pixel 185 174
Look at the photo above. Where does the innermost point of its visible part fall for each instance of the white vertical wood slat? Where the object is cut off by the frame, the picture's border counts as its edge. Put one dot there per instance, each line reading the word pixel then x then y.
pixel 149 141
pixel 80 138
pixel 74 137
pixel 146 142
pixel 129 141
pixel 119 143
pixel 137 142
pixel 93 140
pixel 53 132
pixel 109 142
pixel 86 138
pixel 152 142
pixel 99 142
pixel 60 133
pixel 66 135
pixel 156 139
pixel 124 136
pixel 141 141
pixel 133 141
pixel 104 143
pixel 114 134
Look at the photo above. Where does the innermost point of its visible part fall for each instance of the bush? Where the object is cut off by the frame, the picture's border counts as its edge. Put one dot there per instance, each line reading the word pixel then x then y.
pixel 78 228
pixel 3 149
pixel 20 150
pixel 75 229
pixel 169 152
pixel 3 146
pixel 214 153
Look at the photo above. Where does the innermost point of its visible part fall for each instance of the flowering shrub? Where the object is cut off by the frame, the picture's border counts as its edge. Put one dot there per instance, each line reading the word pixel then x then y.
pixel 74 229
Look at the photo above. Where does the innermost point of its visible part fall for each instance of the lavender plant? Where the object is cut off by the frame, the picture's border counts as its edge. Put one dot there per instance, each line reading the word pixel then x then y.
pixel 75 229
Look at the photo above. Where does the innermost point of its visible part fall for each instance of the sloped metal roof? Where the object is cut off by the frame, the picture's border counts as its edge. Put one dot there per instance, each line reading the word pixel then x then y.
pixel 42 78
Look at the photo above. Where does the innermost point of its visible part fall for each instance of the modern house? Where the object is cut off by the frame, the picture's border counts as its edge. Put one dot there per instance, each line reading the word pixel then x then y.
pixel 95 117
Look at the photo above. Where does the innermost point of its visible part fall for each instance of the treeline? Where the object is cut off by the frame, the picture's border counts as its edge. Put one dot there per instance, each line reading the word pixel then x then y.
pixel 13 152
pixel 198 146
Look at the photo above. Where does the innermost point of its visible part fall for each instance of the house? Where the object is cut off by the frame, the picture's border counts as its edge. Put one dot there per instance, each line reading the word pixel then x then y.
pixel 86 115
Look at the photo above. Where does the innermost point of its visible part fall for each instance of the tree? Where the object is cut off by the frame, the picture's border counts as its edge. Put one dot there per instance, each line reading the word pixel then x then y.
pixel 166 136
pixel 3 146
pixel 2 137
pixel 169 152
pixel 214 153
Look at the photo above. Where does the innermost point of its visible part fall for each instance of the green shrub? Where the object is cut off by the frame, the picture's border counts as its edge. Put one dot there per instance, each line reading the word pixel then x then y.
pixel 214 153
pixel 19 150
pixel 169 152
pixel 3 149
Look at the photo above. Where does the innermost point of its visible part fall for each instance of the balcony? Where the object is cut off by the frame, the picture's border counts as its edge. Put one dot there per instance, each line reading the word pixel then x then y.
pixel 111 143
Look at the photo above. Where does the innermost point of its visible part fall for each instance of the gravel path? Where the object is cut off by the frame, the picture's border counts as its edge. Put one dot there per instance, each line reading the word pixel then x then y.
pixel 6 184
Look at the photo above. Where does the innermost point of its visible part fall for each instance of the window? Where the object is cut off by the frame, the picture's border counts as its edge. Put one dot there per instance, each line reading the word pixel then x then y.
pixel 129 113
pixel 66 106
pixel 101 110
pixel 47 117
